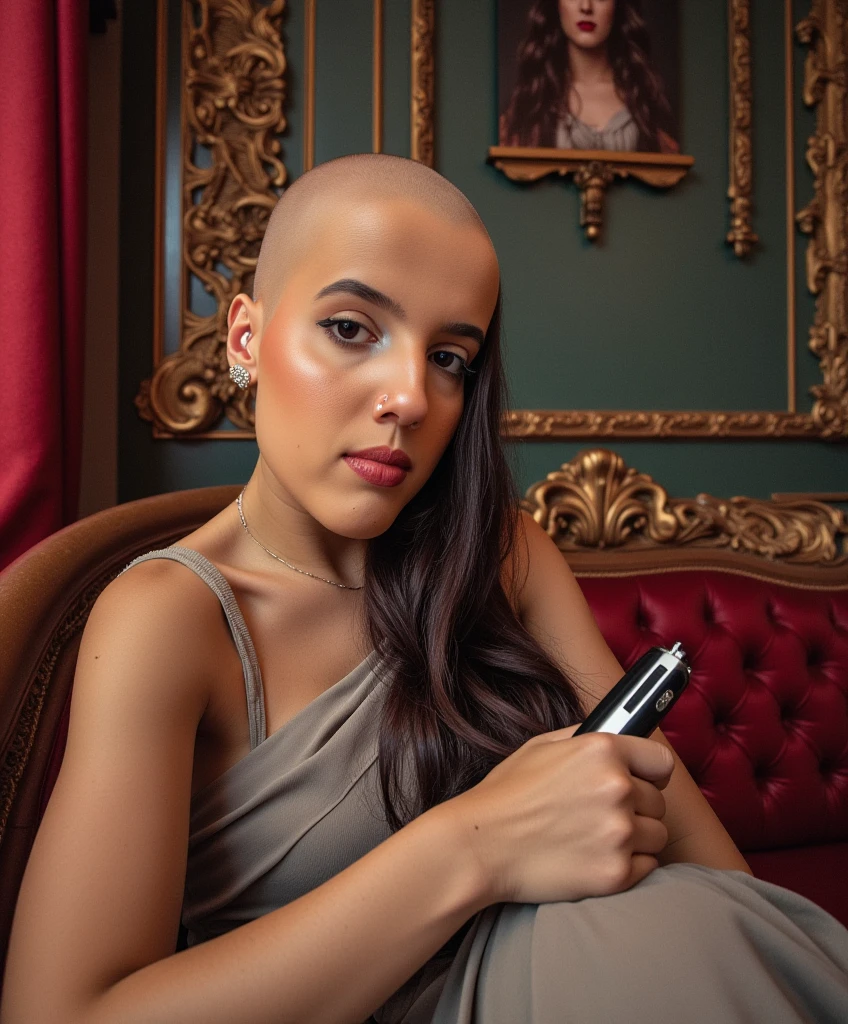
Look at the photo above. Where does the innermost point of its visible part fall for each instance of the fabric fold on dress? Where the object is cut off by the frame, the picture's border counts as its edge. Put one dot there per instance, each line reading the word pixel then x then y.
pixel 687 943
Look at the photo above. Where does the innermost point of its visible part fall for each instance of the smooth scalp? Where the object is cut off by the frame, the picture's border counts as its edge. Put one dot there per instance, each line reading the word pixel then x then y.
pixel 358 179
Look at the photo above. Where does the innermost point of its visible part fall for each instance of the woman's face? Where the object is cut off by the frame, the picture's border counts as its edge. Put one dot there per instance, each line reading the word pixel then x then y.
pixel 587 23
pixel 365 349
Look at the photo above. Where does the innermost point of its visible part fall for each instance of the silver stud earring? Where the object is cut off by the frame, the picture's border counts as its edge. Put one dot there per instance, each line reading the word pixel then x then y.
pixel 245 338
pixel 240 376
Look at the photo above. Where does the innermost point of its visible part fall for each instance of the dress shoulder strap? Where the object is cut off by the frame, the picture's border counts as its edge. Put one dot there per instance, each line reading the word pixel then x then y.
pixel 215 580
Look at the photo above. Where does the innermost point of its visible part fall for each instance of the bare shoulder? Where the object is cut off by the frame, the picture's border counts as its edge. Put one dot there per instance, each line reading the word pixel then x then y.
pixel 553 609
pixel 155 621
pixel 535 563
pixel 146 661
pixel 116 827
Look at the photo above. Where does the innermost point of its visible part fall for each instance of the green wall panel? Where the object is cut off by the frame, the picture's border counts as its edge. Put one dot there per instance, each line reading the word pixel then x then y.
pixel 660 315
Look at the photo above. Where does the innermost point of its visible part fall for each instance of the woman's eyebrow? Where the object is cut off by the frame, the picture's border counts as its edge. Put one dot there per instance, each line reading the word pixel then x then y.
pixel 366 292
pixel 464 331
pixel 351 286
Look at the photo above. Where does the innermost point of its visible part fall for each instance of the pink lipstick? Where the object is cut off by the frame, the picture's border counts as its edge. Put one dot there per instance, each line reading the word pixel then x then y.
pixel 381 466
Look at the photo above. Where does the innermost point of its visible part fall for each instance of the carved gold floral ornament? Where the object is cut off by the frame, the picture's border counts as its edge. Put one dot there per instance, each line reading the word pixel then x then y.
pixel 596 502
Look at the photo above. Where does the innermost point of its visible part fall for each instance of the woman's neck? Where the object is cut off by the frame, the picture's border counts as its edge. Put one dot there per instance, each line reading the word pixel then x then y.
pixel 589 67
pixel 277 522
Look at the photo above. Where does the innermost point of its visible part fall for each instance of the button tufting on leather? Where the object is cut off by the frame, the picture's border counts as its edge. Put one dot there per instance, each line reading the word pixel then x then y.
pixel 750 661
pixel 814 657
pixel 764 739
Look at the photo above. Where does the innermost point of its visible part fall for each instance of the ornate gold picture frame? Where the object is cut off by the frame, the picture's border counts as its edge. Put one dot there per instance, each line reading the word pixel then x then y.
pixel 232 96
pixel 232 101
pixel 824 219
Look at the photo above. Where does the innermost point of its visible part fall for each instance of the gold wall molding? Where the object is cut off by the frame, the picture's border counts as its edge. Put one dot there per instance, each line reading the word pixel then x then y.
pixel 566 424
pixel 740 192
pixel 597 502
pixel 422 110
pixel 233 89
pixel 825 32
pixel 593 170
pixel 309 85
pixel 233 95
pixel 377 80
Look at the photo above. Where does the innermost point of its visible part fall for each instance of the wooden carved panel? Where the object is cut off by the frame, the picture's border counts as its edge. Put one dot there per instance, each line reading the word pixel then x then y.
pixel 597 503
pixel 825 31
pixel 232 100
pixel 740 192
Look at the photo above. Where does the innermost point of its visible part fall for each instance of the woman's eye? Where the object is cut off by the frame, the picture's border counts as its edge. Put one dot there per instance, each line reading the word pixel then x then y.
pixel 457 367
pixel 345 331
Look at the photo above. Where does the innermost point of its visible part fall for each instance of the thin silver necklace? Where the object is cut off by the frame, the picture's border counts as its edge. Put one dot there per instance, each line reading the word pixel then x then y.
pixel 333 583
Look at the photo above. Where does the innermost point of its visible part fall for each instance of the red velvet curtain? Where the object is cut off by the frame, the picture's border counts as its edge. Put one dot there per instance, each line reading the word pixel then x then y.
pixel 43 84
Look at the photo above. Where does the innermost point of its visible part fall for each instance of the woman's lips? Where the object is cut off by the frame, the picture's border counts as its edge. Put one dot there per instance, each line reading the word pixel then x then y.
pixel 376 472
pixel 586 26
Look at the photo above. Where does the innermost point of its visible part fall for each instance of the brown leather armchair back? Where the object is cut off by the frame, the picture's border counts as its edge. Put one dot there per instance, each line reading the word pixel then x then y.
pixel 45 599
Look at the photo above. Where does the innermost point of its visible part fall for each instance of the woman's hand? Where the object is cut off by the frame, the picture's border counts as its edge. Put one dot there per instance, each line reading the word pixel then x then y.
pixel 563 818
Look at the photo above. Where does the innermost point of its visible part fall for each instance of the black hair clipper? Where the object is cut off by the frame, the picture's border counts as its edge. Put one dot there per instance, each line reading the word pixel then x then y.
pixel 637 703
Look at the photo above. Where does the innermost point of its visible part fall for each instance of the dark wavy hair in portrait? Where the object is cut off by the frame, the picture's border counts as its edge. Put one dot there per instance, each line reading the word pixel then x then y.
pixel 543 83
pixel 467 683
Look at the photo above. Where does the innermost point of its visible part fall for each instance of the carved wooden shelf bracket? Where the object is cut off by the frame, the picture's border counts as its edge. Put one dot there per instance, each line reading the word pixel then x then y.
pixel 593 171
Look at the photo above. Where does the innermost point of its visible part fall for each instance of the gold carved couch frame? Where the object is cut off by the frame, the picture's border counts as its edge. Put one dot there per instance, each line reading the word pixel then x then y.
pixel 232 102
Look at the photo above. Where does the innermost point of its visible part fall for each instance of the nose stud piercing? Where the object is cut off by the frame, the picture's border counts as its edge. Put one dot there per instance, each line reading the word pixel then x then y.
pixel 240 376
pixel 245 338
pixel 380 404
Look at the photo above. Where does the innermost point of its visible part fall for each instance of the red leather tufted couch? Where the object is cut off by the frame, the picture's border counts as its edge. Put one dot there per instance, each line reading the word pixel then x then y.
pixel 757 592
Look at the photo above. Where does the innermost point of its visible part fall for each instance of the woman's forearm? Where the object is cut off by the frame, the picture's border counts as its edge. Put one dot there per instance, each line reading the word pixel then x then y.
pixel 695 833
pixel 334 955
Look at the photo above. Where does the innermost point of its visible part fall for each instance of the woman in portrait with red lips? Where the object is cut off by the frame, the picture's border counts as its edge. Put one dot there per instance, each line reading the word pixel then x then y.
pixel 585 81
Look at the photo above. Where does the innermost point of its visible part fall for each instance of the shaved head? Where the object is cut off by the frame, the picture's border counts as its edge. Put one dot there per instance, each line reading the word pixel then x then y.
pixel 349 180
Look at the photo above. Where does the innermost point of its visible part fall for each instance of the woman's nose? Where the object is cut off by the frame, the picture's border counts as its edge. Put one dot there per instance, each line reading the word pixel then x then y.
pixel 404 395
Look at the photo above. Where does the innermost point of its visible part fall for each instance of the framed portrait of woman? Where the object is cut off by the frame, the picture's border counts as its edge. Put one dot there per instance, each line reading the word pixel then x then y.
pixel 590 88
pixel 589 75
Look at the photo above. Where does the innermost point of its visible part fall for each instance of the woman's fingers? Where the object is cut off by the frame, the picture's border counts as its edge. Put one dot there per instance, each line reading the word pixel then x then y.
pixel 649 835
pixel 647 799
pixel 647 759
pixel 641 866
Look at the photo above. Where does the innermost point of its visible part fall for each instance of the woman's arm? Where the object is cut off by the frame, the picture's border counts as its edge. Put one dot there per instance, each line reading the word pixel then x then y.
pixel 553 608
pixel 96 923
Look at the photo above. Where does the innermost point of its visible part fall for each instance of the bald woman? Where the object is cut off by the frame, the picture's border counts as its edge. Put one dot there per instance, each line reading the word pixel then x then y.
pixel 331 730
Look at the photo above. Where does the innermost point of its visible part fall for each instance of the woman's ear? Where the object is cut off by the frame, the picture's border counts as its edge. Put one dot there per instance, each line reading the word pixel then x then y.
pixel 243 322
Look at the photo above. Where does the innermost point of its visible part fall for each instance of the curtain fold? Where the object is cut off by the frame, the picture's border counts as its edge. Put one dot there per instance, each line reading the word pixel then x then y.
pixel 43 144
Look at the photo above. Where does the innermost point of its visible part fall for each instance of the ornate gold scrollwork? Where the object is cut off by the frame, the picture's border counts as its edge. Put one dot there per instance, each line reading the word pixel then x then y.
pixel 557 424
pixel 232 96
pixel 825 31
pixel 423 82
pixel 593 171
pixel 597 501
pixel 741 235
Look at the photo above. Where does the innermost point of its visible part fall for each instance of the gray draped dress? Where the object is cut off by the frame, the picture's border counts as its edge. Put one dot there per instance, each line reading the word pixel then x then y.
pixel 686 944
